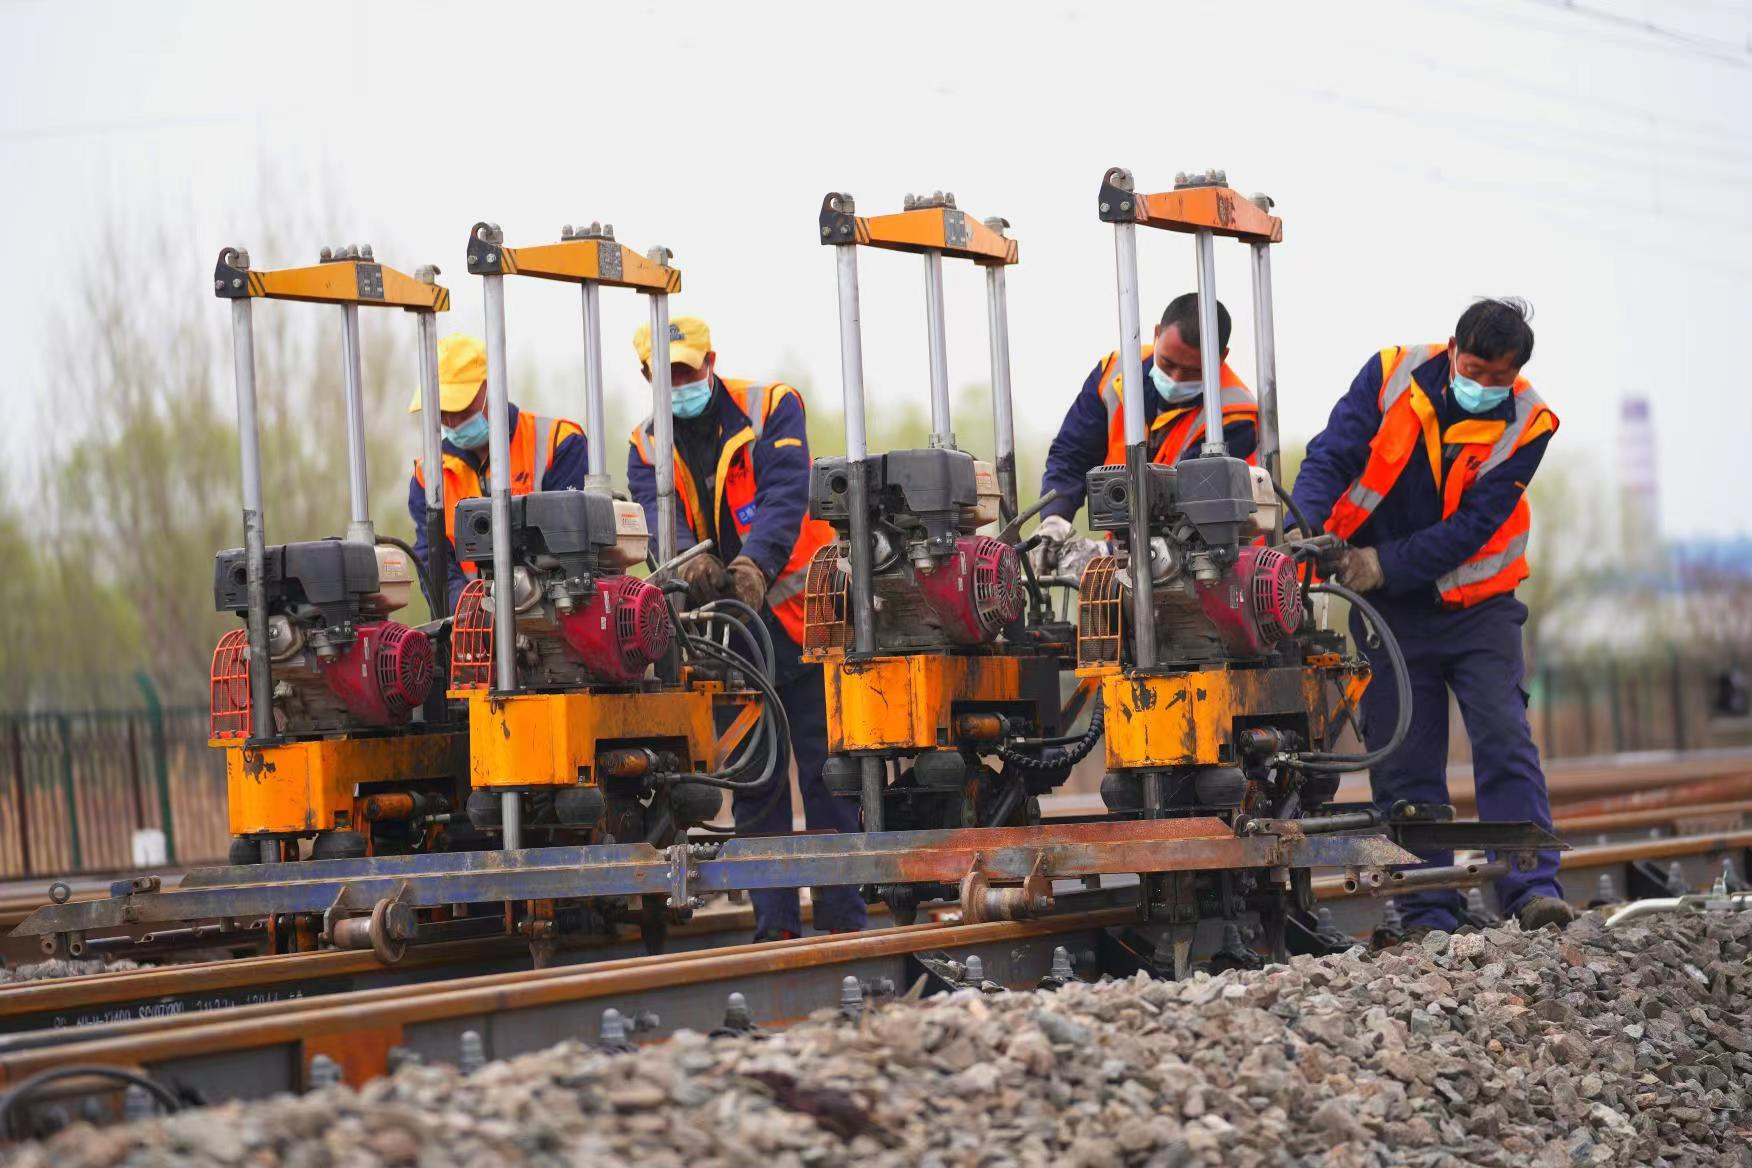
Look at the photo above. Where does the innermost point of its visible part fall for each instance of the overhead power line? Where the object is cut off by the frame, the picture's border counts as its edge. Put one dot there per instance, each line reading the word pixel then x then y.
pixel 1711 48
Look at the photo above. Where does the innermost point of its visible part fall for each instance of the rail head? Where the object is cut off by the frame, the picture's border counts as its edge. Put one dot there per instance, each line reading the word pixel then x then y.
pixel 927 223
pixel 346 275
pixel 1198 202
pixel 587 255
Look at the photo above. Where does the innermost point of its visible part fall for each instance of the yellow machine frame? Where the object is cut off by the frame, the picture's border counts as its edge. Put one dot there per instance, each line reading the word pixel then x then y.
pixel 555 740
pixel 1189 719
pixel 906 702
pixel 300 788
pixel 313 785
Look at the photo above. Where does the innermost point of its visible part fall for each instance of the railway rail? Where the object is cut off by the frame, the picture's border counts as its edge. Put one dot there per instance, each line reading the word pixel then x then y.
pixel 269 1046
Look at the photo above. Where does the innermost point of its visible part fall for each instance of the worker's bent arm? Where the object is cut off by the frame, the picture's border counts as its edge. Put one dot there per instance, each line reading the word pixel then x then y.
pixel 1079 447
pixel 1420 559
pixel 1338 453
pixel 571 460
pixel 781 475
pixel 417 509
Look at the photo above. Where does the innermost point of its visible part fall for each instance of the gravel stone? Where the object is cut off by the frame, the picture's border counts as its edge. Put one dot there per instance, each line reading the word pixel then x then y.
pixel 1493 1047
pixel 44 970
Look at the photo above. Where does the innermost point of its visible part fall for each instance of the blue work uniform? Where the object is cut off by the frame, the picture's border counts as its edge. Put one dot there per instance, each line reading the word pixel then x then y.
pixel 1083 439
pixel 1474 651
pixel 780 463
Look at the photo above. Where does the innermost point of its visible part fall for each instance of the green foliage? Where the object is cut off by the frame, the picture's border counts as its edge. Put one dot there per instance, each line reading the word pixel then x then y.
pixel 138 486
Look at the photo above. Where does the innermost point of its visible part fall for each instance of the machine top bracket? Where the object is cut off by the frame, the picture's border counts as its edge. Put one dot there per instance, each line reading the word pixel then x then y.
pixel 345 275
pixel 929 223
pixel 1197 203
pixel 589 255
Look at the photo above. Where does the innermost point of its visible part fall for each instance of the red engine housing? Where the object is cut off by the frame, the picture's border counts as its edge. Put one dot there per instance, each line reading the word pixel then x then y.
pixel 1256 604
pixel 623 629
pixel 384 674
pixel 975 592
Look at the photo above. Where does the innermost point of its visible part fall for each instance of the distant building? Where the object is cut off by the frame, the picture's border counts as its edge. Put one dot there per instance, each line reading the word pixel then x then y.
pixel 1639 510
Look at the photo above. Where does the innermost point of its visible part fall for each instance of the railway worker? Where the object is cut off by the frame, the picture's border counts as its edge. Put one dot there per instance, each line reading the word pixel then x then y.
pixel 1093 432
pixel 547 454
pixel 742 476
pixel 1423 469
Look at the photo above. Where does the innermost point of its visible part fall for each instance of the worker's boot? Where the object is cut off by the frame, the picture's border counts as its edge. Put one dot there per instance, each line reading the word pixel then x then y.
pixel 1545 910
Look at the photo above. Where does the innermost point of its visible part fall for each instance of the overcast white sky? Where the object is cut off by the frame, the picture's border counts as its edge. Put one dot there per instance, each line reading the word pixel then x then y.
pixel 1421 152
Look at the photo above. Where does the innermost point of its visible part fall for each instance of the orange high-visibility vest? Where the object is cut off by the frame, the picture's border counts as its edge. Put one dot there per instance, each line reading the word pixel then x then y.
pixel 533 443
pixel 1180 426
pixel 735 485
pixel 1477 445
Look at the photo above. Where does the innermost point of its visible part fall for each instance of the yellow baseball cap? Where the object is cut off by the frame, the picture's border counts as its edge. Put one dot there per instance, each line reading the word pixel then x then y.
pixel 462 366
pixel 689 342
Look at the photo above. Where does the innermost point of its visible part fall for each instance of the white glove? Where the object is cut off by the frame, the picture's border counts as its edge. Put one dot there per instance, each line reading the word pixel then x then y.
pixel 1054 532
pixel 1076 554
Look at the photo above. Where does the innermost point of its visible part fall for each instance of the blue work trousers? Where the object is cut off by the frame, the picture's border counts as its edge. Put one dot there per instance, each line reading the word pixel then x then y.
pixel 838 908
pixel 1476 653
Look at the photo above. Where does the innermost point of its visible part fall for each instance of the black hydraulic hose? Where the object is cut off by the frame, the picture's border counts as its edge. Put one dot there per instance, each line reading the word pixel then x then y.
pixel 1056 759
pixel 1290 502
pixel 10 1101
pixel 1333 763
pixel 728 607
pixel 1302 526
pixel 435 609
pixel 774 725
pixel 704 622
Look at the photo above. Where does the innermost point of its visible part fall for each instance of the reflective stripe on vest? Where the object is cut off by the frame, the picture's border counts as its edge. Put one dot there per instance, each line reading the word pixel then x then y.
pixel 735 486
pixel 531 445
pixel 1184 425
pixel 1408 416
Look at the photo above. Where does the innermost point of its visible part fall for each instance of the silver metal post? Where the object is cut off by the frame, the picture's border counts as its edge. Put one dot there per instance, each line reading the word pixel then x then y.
pixel 261 685
pixel 431 416
pixel 872 770
pixel 359 529
pixel 857 448
pixel 1003 406
pixel 595 419
pixel 942 433
pixel 511 819
pixel 1265 345
pixel 432 460
pixel 499 478
pixel 1210 345
pixel 1137 455
pixel 663 426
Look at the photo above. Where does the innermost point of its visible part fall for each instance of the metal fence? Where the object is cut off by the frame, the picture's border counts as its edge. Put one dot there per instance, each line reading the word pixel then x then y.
pixel 1620 706
pixel 75 787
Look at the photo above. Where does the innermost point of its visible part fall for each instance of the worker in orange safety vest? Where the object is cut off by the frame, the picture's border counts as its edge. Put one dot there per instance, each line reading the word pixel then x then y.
pixel 1423 470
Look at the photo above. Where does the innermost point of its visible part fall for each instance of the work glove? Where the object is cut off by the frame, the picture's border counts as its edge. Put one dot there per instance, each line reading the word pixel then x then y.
pixel 705 579
pixel 747 582
pixel 1054 532
pixel 1075 555
pixel 1360 570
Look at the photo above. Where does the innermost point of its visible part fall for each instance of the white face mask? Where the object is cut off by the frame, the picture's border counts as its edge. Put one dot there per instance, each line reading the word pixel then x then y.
pixel 1174 392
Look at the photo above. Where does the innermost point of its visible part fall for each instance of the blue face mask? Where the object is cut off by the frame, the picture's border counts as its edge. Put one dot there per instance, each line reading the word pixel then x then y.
pixel 689 400
pixel 471 435
pixel 1174 392
pixel 1475 398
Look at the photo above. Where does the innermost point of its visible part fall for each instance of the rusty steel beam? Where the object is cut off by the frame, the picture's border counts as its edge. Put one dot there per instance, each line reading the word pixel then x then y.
pixel 686 870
